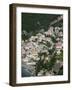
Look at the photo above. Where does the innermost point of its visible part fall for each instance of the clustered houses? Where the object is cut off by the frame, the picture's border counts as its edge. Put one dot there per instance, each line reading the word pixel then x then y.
pixel 59 44
pixel 41 43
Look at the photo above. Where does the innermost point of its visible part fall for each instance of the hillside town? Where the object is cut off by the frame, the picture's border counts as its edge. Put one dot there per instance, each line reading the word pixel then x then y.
pixel 42 53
